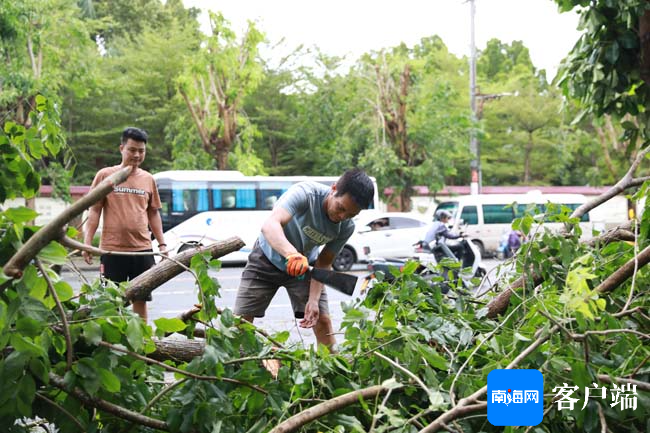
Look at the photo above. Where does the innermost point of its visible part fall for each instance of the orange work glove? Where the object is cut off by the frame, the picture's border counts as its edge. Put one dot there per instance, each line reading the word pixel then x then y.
pixel 297 264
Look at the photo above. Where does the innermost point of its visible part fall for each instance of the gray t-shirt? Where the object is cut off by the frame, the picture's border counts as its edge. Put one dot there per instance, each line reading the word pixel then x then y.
pixel 309 226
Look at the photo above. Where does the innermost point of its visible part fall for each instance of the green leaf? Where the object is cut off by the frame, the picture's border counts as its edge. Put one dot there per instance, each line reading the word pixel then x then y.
pixel 29 327
pixel 27 346
pixel 92 332
pixel 110 382
pixel 53 253
pixel 20 215
pixel 170 325
pixel 134 334
pixel 63 290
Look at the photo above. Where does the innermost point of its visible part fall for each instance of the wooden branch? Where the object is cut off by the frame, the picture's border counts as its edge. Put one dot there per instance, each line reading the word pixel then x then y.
pixel 150 360
pixel 621 185
pixel 197 121
pixel 177 350
pixel 142 286
pixel 471 403
pixel 499 304
pixel 300 419
pixel 64 318
pixel 62 409
pixel 113 409
pixel 624 272
pixel 54 230
pixel 644 386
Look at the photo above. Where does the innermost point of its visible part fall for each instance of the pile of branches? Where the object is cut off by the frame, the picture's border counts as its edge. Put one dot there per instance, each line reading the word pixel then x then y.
pixel 411 358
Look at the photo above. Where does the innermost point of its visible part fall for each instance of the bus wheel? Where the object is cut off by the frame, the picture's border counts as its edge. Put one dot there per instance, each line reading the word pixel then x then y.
pixel 344 261
pixel 189 246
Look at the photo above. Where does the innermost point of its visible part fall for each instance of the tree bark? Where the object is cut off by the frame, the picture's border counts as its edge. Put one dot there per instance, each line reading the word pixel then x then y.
pixel 178 350
pixel 315 412
pixel 142 286
pixel 644 36
pixel 103 405
pixel 528 150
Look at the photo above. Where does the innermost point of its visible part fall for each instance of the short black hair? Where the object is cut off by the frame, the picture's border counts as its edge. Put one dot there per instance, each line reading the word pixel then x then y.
pixel 360 187
pixel 135 134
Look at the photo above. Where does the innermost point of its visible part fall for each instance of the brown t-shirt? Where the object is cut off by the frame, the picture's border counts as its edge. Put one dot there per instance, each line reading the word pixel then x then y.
pixel 126 222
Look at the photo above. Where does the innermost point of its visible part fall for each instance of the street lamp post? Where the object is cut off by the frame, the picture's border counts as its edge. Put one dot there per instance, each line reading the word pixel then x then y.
pixel 475 163
pixel 477 100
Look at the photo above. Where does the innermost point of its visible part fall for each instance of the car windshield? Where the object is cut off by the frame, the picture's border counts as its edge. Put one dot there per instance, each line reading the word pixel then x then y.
pixel 449 206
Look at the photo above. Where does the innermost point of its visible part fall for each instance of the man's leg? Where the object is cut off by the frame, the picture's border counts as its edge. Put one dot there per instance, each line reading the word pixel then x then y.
pixel 140 264
pixel 324 332
pixel 140 308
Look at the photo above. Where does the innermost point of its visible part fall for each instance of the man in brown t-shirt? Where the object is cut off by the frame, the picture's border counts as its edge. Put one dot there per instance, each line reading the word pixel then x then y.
pixel 128 212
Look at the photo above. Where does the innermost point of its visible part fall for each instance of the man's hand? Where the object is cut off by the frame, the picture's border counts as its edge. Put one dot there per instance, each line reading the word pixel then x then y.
pixel 311 314
pixel 88 258
pixel 297 264
pixel 162 248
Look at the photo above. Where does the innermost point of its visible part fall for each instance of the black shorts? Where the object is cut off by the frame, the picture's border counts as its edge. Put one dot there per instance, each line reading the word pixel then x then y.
pixel 125 268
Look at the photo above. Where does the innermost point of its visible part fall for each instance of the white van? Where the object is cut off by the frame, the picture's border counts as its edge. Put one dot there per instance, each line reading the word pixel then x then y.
pixel 485 218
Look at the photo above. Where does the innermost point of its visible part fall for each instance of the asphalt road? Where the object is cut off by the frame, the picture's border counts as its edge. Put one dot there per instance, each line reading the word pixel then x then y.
pixel 180 294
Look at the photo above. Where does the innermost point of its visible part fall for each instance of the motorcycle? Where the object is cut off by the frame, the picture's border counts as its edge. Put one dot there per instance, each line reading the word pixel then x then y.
pixel 440 264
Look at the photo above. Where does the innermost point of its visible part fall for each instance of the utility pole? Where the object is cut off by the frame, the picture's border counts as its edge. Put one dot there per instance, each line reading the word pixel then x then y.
pixel 475 164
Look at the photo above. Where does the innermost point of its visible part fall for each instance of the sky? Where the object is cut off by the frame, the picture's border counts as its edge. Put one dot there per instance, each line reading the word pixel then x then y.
pixel 353 27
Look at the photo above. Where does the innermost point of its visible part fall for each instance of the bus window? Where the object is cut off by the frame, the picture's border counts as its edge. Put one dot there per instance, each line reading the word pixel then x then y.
pixel 497 214
pixel 241 196
pixel 189 200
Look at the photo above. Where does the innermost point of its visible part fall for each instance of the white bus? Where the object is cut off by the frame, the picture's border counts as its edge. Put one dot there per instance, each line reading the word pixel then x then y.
pixel 201 207
pixel 485 218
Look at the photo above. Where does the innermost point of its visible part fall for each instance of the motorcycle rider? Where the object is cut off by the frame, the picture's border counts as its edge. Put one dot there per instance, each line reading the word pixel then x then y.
pixel 439 232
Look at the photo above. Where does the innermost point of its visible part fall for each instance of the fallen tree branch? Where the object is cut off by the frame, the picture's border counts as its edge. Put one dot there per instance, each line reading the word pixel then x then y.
pixel 142 286
pixel 470 404
pixel 54 230
pixel 113 409
pixel 63 410
pixel 64 318
pixel 627 181
pixel 644 386
pixel 623 273
pixel 499 304
pixel 300 419
pixel 149 360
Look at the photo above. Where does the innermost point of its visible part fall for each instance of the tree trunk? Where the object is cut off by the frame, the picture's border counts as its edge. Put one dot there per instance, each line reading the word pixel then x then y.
pixel 644 36
pixel 527 152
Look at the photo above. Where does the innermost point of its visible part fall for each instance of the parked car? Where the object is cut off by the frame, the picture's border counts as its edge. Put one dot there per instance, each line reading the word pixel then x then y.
pixel 382 234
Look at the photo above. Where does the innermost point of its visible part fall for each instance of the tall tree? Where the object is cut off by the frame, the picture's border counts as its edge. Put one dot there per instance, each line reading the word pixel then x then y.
pixel 420 117
pixel 218 79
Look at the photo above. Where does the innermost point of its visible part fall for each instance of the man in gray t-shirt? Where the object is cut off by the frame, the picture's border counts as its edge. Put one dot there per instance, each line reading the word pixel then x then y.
pixel 307 216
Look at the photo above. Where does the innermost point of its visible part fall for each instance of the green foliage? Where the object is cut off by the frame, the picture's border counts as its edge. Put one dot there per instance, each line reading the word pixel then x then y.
pixel 23 148
pixel 603 70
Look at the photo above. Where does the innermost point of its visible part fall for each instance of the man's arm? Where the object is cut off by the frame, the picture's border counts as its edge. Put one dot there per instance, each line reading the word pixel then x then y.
pixel 273 232
pixel 155 222
pixel 90 228
pixel 312 312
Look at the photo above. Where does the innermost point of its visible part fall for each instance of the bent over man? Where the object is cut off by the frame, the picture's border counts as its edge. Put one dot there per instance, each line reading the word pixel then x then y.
pixel 306 216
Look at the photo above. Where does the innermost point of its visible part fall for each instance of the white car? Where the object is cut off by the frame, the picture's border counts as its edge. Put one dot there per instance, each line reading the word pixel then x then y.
pixel 382 234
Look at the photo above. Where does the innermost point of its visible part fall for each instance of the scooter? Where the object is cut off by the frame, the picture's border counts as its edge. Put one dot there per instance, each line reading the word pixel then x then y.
pixel 461 259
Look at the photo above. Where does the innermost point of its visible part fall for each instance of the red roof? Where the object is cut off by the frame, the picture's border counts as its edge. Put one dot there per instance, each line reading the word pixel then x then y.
pixel 465 190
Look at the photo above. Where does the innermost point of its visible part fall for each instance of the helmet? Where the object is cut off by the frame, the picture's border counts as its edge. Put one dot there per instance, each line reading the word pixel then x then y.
pixel 442 214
